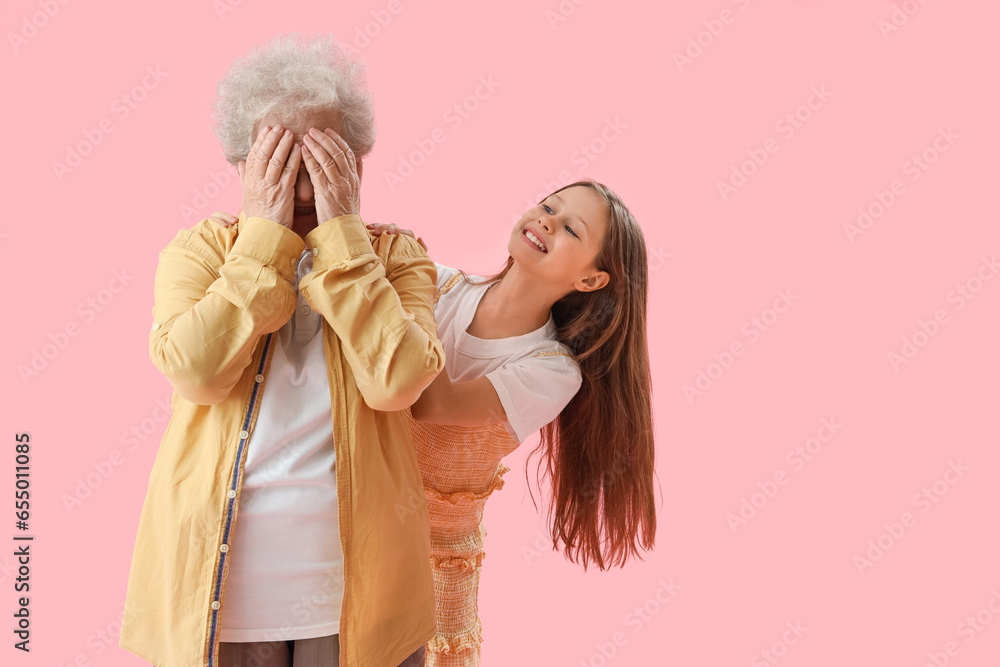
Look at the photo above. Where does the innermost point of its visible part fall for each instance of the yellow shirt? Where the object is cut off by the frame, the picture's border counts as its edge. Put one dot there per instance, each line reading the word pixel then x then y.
pixel 220 294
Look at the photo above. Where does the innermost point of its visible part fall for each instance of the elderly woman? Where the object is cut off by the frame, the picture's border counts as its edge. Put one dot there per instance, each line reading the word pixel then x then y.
pixel 285 522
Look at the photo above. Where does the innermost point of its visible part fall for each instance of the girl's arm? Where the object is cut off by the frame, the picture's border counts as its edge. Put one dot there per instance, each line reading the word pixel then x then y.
pixel 471 403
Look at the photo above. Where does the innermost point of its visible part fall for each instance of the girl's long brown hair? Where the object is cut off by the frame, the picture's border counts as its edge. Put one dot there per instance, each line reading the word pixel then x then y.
pixel 598 453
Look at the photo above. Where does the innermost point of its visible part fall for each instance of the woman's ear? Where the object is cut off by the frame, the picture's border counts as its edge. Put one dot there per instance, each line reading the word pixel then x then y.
pixel 239 168
pixel 361 169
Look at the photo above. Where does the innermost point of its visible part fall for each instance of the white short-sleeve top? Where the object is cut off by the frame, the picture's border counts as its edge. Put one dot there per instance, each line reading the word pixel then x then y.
pixel 534 374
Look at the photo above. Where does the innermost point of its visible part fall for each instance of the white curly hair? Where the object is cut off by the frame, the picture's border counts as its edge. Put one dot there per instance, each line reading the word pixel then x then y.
pixel 292 74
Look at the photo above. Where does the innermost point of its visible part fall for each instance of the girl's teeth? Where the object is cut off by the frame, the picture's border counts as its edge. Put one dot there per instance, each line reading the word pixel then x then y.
pixel 534 239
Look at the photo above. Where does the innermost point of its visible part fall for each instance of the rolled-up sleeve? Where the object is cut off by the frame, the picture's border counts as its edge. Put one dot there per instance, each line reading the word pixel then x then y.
pixel 380 305
pixel 213 300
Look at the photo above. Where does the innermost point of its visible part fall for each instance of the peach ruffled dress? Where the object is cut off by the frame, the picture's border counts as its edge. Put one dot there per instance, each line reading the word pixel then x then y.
pixel 535 377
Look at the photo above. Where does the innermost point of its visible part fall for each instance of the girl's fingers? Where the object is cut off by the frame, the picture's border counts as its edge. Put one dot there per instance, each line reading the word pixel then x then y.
pixel 378 228
pixel 223 218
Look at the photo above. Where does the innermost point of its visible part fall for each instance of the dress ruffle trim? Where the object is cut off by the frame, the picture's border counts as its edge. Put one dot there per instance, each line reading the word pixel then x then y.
pixel 470 639
pixel 457 497
pixel 456 562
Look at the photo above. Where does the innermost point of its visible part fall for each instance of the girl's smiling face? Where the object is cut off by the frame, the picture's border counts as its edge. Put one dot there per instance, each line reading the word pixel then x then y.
pixel 559 239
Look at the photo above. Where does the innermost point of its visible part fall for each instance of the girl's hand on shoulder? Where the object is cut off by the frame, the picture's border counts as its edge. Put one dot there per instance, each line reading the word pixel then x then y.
pixel 223 219
pixel 378 229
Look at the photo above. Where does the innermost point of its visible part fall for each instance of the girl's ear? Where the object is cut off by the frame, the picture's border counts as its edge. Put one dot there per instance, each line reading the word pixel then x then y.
pixel 593 282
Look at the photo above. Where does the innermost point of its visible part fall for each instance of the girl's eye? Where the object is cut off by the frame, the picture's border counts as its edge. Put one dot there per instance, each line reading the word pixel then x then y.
pixel 571 231
pixel 547 209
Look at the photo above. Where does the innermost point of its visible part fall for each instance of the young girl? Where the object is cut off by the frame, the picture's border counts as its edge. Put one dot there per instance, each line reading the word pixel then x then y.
pixel 555 341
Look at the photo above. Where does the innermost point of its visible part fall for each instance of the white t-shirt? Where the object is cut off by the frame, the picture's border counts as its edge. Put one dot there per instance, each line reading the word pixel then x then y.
pixel 286 564
pixel 534 375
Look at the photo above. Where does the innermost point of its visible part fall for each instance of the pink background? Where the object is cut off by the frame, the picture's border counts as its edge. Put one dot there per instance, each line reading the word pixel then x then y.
pixel 676 132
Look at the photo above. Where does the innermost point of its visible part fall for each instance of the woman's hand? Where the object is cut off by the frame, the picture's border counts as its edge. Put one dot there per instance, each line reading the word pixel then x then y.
pixel 379 229
pixel 333 171
pixel 268 176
